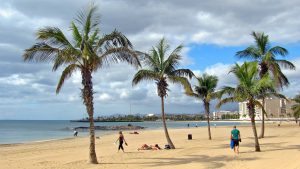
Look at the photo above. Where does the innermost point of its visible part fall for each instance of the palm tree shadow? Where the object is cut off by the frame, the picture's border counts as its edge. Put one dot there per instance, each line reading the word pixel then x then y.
pixel 132 152
pixel 208 161
pixel 279 147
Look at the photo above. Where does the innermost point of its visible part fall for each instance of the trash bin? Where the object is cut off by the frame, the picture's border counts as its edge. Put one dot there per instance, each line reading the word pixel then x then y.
pixel 190 137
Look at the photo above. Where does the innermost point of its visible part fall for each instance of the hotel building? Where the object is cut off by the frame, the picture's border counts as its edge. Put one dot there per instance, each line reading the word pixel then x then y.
pixel 275 108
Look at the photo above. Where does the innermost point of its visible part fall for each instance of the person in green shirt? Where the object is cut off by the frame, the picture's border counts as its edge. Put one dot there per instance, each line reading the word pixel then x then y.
pixel 235 137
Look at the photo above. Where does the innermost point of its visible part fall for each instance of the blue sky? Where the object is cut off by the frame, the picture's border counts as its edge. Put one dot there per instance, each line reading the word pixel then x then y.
pixel 204 55
pixel 212 32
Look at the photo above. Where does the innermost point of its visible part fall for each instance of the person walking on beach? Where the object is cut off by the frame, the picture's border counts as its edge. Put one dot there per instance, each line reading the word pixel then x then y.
pixel 121 140
pixel 75 133
pixel 235 137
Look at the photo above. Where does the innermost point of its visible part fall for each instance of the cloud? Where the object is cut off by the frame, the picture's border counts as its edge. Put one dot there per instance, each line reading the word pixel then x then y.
pixel 104 97
pixel 222 23
pixel 294 79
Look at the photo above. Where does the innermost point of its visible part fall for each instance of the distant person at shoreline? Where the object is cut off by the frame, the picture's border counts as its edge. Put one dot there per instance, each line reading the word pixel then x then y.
pixel 236 138
pixel 121 140
pixel 188 125
pixel 75 133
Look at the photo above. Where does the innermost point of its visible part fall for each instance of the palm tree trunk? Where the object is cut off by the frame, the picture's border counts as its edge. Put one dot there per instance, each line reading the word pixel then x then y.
pixel 87 94
pixel 262 132
pixel 252 115
pixel 164 124
pixel 206 105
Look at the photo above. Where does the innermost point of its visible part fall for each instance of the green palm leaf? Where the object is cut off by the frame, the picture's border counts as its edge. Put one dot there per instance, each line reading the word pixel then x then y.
pixel 263 53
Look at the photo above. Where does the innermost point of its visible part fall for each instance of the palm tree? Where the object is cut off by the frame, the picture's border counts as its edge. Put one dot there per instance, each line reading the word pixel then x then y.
pixel 249 89
pixel 87 52
pixel 296 108
pixel 205 91
pixel 265 55
pixel 161 68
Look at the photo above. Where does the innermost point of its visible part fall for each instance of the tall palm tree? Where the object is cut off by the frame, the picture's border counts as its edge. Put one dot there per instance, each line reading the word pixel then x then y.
pixel 86 52
pixel 249 89
pixel 296 108
pixel 205 91
pixel 265 55
pixel 161 68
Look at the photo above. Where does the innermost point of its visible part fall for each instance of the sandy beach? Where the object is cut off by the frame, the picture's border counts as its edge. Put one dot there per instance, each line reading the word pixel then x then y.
pixel 280 149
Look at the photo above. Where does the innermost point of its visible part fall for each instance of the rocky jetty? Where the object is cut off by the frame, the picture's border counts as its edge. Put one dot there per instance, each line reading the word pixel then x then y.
pixel 128 127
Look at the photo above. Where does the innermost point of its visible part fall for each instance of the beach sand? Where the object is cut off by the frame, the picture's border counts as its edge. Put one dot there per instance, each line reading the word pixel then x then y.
pixel 280 149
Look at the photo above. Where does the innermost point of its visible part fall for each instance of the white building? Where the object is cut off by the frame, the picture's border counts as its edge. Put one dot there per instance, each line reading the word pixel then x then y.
pixel 218 115
pixel 275 108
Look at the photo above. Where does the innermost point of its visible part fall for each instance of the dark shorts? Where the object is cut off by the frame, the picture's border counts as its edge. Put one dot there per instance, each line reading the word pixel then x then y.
pixel 235 142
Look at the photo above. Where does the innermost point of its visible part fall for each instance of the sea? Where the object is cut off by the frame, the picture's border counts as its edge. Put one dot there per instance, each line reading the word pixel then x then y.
pixel 24 131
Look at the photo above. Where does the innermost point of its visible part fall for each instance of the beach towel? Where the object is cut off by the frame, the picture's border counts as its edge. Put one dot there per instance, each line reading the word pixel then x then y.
pixel 231 144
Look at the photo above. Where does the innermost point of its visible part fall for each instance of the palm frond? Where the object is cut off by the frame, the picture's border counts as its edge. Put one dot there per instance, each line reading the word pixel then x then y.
pixel 286 64
pixel 120 54
pixel 53 36
pixel 226 90
pixel 94 37
pixel 250 52
pixel 88 19
pixel 157 60
pixel 150 61
pixel 280 79
pixel 162 47
pixel 277 50
pixel 183 81
pixel 144 75
pixel 261 42
pixel 40 52
pixel 76 35
pixel 172 62
pixel 67 73
pixel 112 40
pixel 183 72
pixel 66 56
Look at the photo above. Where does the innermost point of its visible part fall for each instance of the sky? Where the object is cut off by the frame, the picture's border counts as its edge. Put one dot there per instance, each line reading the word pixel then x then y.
pixel 211 32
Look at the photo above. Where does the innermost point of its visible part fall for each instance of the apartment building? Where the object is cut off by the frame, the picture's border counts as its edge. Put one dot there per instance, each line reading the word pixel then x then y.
pixel 275 108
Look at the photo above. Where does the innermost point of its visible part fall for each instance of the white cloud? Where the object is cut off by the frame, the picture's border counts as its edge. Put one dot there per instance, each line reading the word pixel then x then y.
pixel 73 97
pixel 104 97
pixel 222 72
pixel 294 79
pixel 224 23
pixel 76 78
pixel 16 79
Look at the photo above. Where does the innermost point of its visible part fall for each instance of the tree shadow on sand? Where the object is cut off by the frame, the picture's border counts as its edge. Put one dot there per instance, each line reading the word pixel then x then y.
pixel 264 146
pixel 207 161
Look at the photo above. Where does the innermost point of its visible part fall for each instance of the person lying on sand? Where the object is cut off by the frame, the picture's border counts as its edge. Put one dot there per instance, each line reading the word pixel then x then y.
pixel 135 132
pixel 151 147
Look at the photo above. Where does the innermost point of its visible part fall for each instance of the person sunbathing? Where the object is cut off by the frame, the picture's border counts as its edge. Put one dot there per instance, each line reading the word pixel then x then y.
pixel 151 147
pixel 135 132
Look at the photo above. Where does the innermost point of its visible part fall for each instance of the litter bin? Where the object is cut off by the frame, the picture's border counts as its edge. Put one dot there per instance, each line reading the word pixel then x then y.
pixel 190 137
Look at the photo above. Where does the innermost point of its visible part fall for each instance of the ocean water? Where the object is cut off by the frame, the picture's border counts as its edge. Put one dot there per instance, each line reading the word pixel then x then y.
pixel 22 131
